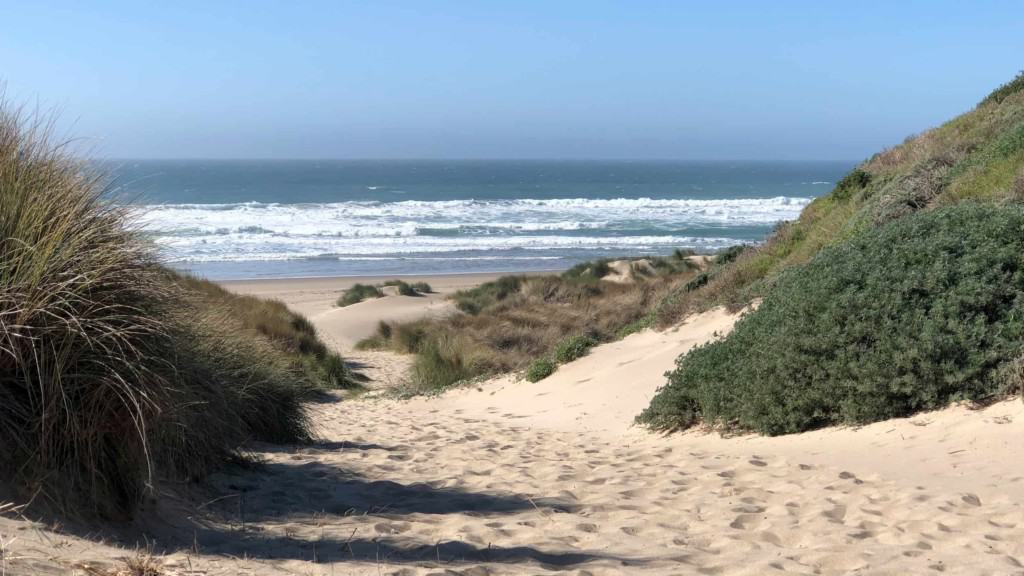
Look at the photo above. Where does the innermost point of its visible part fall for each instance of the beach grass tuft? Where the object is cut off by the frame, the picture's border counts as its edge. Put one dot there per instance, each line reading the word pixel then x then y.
pixel 116 373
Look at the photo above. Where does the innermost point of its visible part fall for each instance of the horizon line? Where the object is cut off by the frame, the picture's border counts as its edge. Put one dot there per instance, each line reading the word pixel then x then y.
pixel 453 159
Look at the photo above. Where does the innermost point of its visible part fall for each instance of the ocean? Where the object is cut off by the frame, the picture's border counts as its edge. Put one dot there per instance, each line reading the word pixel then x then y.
pixel 233 219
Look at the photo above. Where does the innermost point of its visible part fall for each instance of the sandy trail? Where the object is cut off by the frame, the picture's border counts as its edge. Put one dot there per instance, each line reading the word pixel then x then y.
pixel 518 478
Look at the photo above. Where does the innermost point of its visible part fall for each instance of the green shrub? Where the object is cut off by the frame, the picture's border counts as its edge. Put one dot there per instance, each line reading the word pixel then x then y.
pixel 540 369
pixel 357 293
pixel 574 347
pixel 422 287
pixel 906 317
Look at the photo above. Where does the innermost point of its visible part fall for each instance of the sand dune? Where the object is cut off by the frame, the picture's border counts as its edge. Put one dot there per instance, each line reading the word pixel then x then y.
pixel 600 393
pixel 519 478
pixel 342 328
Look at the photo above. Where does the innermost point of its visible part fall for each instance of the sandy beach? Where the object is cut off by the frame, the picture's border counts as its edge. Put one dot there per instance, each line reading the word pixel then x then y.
pixel 533 288
pixel 515 478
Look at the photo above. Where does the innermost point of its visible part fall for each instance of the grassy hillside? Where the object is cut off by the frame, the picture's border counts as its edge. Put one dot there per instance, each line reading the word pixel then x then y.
pixel 978 155
pixel 115 372
pixel 896 292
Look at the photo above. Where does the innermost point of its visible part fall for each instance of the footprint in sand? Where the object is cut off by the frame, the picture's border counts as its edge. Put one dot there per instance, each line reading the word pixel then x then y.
pixel 746 521
pixel 971 500
pixel 836 514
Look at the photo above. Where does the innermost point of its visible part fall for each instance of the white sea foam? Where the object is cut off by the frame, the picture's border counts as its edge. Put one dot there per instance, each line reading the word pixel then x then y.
pixel 257 231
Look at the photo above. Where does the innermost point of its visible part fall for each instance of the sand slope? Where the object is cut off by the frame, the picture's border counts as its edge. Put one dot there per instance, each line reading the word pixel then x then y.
pixel 602 392
pixel 519 478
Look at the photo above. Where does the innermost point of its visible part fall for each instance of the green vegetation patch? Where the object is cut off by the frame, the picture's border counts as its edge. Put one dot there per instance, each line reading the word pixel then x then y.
pixel 574 347
pixel 910 316
pixel 357 293
pixel 540 369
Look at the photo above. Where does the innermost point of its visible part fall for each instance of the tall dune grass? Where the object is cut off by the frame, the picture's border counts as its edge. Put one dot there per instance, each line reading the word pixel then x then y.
pixel 113 374
pixel 81 306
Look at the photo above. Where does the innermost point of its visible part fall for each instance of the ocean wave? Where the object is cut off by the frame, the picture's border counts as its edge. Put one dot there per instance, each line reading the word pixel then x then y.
pixel 259 248
pixel 407 218
pixel 270 231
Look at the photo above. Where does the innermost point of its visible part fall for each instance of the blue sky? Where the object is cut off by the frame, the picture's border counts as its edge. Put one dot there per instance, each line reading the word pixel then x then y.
pixel 524 79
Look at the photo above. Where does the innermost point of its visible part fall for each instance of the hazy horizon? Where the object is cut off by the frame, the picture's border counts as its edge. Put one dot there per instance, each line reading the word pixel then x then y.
pixel 530 80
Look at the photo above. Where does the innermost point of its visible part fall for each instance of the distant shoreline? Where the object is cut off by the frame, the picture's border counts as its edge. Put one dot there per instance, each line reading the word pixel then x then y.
pixel 459 277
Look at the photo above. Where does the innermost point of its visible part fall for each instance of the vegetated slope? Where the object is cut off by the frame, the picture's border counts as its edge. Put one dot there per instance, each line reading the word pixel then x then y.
pixel 906 317
pixel 115 372
pixel 516 320
pixel 897 292
pixel 290 333
pixel 978 155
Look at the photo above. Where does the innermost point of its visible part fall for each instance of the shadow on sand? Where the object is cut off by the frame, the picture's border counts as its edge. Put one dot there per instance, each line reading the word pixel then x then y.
pixel 248 501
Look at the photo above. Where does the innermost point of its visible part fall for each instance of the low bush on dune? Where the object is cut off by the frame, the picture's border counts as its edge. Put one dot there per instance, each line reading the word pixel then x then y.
pixel 574 347
pixel 357 293
pixel 540 369
pixel 567 350
pixel 115 372
pixel 909 316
